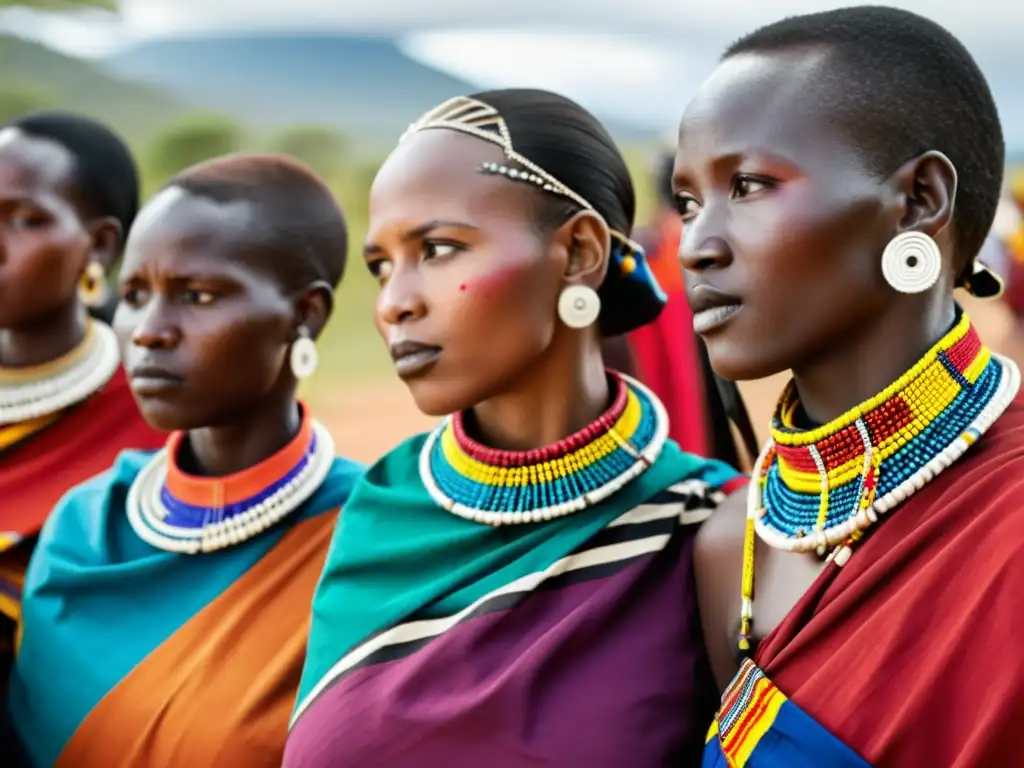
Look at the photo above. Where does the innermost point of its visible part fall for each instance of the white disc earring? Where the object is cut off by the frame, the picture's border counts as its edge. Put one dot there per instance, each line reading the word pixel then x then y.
pixel 911 262
pixel 304 357
pixel 579 306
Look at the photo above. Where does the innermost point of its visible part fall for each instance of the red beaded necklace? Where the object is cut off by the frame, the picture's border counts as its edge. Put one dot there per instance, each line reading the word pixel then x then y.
pixel 498 458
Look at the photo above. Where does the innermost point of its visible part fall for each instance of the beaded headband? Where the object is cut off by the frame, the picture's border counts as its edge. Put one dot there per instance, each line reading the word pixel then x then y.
pixel 471 116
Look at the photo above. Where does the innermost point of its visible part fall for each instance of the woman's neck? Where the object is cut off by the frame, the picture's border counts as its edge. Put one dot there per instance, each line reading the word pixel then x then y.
pixel 849 374
pixel 556 398
pixel 265 430
pixel 43 340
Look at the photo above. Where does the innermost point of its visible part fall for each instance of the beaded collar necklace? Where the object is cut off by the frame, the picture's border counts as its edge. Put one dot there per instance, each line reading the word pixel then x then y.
pixel 509 487
pixel 183 513
pixel 41 390
pixel 815 489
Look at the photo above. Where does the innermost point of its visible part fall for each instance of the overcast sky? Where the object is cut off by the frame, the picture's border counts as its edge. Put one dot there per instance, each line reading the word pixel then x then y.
pixel 642 58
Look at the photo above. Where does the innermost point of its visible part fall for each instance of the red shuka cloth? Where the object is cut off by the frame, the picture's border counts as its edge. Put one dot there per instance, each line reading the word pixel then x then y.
pixel 911 653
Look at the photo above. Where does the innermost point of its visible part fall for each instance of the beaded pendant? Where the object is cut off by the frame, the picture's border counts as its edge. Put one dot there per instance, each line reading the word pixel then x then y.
pixel 816 489
pixel 509 487
pixel 181 513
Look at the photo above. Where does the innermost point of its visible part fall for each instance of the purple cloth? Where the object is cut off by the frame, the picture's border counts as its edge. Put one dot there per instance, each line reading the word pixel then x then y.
pixel 606 672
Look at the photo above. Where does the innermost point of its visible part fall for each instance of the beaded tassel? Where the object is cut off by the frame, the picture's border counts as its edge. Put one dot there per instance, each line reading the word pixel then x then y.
pixel 841 555
pixel 747 609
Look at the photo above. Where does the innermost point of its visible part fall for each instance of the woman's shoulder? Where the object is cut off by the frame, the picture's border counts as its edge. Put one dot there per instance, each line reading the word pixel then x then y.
pixel 1005 438
pixel 87 507
pixel 694 485
pixel 341 479
pixel 696 472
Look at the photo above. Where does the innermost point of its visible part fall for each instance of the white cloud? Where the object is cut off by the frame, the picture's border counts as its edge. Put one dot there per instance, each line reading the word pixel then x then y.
pixel 85 35
pixel 980 20
pixel 640 59
pixel 616 75
pixel 157 15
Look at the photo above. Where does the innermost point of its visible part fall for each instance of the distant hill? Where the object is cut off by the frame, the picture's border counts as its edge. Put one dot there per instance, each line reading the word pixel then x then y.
pixel 134 108
pixel 364 85
pixel 367 86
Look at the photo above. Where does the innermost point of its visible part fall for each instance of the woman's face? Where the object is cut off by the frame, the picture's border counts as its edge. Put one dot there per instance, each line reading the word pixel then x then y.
pixel 44 244
pixel 204 334
pixel 468 286
pixel 784 226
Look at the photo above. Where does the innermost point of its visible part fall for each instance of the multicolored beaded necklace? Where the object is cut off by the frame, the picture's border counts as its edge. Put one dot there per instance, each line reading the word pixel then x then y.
pixel 510 487
pixel 183 513
pixel 43 390
pixel 815 489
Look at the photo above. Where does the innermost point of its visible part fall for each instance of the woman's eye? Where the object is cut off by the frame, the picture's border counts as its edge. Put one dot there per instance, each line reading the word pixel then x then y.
pixel 26 221
pixel 438 250
pixel 687 206
pixel 380 269
pixel 745 186
pixel 134 296
pixel 193 296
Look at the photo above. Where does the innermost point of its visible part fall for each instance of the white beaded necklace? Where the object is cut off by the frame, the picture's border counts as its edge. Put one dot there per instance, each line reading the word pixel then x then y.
pixel 147 512
pixel 644 457
pixel 843 537
pixel 28 393
pixel 1009 386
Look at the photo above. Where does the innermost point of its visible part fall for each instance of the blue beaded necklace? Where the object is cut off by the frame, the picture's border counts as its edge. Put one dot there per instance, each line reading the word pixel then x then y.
pixel 509 487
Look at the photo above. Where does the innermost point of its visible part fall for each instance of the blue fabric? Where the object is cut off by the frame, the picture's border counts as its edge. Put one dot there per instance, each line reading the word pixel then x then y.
pixel 793 740
pixel 98 599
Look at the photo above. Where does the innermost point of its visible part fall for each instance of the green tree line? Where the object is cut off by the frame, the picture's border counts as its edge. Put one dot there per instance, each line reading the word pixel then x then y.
pixel 62 6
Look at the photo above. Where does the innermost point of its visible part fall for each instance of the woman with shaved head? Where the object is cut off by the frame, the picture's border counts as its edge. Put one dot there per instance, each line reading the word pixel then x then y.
pixel 837 176
pixel 167 605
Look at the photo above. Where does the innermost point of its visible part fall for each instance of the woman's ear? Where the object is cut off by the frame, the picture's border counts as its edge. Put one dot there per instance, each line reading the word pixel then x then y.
pixel 926 186
pixel 106 239
pixel 313 307
pixel 587 240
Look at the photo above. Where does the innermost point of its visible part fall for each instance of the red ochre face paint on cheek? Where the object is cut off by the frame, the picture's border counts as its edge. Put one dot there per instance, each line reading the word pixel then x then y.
pixel 494 283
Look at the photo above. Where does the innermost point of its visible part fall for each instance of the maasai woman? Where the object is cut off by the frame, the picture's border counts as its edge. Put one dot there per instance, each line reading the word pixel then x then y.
pixel 837 175
pixel 514 588
pixel 167 605
pixel 68 195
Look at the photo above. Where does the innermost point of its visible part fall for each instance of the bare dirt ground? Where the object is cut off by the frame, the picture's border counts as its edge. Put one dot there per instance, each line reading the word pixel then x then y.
pixel 368 420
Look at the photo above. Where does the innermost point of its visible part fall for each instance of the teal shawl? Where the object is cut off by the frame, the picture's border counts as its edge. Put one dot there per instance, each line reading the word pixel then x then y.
pixel 397 556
